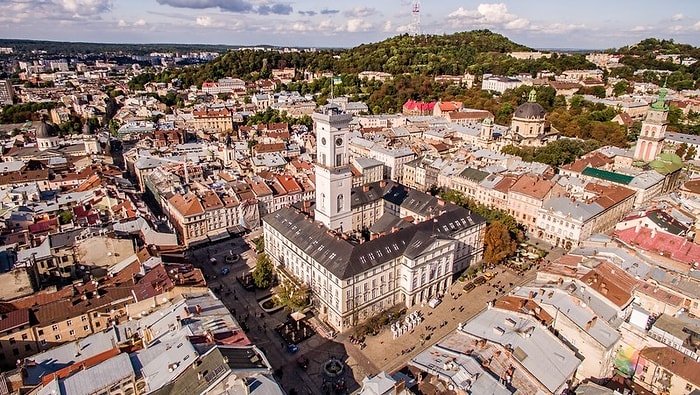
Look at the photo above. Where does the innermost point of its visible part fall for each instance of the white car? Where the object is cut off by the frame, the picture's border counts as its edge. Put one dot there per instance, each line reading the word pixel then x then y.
pixel 434 302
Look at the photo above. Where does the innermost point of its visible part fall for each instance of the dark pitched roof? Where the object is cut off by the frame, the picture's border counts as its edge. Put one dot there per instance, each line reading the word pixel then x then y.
pixel 14 319
pixel 345 259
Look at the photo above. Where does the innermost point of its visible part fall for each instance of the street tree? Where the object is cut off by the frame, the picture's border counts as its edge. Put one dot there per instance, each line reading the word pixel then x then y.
pixel 262 274
pixel 498 243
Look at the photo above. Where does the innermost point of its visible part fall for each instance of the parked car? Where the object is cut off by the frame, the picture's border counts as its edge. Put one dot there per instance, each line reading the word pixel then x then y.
pixel 489 275
pixel 434 302
pixel 292 348
pixel 225 271
pixel 468 287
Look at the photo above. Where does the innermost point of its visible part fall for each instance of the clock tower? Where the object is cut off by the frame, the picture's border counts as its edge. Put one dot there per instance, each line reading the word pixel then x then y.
pixel 333 174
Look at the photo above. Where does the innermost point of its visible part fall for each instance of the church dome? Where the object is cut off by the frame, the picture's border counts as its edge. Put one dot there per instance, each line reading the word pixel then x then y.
pixel 531 109
pixel 44 130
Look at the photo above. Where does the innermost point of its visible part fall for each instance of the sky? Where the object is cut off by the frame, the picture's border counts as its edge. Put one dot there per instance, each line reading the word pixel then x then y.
pixel 590 24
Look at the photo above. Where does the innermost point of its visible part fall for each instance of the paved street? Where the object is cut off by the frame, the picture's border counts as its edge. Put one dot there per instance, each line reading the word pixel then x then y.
pixel 381 352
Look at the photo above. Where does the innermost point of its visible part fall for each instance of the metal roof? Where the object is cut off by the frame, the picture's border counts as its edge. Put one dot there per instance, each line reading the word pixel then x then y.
pixel 607 175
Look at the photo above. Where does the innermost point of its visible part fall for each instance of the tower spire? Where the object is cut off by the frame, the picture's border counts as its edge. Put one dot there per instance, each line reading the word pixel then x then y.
pixel 415 18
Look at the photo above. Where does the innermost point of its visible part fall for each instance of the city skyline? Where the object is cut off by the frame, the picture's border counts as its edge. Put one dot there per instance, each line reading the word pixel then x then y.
pixel 312 23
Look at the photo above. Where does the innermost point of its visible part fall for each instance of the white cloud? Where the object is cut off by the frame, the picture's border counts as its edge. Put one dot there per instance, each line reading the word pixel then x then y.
pixel 496 16
pixel 640 28
pixel 387 26
pixel 121 23
pixel 677 17
pixel 140 22
pixel 85 7
pixel 356 25
pixel 360 12
pixel 696 26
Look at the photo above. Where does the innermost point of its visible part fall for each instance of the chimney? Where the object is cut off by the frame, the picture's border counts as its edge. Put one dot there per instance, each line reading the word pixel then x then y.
pixel 653 232
pixel 394 229
pixel 365 188
pixel 382 183
pixel 589 325
pixel 440 202
pixel 638 227
pixel 530 295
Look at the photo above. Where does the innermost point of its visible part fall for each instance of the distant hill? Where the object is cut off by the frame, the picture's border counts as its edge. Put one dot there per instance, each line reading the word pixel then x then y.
pixel 75 48
pixel 476 51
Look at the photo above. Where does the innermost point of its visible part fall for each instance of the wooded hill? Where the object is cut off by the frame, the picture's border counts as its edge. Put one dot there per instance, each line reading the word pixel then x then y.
pixel 476 51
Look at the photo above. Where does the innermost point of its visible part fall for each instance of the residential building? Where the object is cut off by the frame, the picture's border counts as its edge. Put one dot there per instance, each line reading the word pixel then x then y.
pixel 526 197
pixel 7 93
pixel 665 370
pixel 500 84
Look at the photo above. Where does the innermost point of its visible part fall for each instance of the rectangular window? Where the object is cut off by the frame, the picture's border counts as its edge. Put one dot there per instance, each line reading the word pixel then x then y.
pixel 71 332
pixel 57 337
pixel 85 327
pixel 27 347
pixel 54 327
pixel 69 322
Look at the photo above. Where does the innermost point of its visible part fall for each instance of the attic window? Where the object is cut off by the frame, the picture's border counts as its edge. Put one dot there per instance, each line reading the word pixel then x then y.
pixel 363 260
pixel 331 256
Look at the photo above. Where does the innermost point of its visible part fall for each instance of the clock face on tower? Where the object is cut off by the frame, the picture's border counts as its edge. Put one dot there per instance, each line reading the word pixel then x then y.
pixel 338 141
pixel 323 140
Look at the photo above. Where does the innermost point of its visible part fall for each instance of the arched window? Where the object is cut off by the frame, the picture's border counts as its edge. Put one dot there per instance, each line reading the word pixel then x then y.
pixel 322 203
pixel 340 202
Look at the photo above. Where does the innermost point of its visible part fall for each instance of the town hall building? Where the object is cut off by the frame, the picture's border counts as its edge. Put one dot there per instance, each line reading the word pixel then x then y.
pixel 410 247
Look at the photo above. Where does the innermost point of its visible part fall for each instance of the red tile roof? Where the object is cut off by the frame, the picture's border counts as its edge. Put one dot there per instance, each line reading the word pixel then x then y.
pixel 662 243
pixel 674 361
pixel 14 319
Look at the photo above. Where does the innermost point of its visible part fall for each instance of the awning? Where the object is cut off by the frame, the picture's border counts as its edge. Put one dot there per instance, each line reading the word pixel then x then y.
pixel 298 316
pixel 236 230
pixel 219 236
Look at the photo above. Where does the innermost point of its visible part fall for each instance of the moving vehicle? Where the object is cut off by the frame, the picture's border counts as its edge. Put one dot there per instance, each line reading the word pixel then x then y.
pixel 225 271
pixel 479 280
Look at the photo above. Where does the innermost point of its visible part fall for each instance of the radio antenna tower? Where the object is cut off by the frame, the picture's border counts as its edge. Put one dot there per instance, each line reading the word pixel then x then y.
pixel 415 18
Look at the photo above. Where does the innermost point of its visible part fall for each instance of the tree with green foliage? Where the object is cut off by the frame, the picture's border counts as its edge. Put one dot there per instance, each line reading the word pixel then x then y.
pixel 262 274
pixel 65 217
pixel 556 153
pixel 292 296
pixel 498 243
pixel 259 244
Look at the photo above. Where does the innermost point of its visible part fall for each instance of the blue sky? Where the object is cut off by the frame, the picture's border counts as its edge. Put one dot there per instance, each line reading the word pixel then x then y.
pixel 312 23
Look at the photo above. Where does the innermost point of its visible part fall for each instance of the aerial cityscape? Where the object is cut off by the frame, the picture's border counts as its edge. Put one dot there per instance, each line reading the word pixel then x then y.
pixel 248 197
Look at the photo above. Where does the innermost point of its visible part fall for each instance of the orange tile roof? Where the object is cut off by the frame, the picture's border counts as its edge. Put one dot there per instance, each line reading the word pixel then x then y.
pixel 532 186
pixel 187 204
pixel 259 188
pixel 525 306
pixel 450 105
pixel 289 183
pixel 611 282
pixel 505 184
pixel 211 201
pixel 609 195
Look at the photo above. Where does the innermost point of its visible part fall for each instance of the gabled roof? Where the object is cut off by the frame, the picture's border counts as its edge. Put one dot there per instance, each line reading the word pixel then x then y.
pixel 187 204
pixel 532 186
pixel 345 259
pixel 674 361
pixel 617 178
